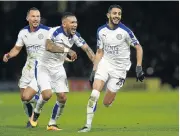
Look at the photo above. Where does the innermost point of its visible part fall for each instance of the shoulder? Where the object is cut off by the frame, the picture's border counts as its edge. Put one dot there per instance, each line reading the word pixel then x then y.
pixel 24 30
pixel 77 34
pixel 56 30
pixel 101 28
pixel 43 27
pixel 125 28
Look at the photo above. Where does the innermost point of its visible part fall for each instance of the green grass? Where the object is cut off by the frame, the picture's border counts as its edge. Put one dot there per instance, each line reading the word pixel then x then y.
pixel 132 114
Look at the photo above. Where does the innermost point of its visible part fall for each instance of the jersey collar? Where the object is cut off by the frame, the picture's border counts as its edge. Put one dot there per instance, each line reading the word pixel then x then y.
pixel 110 28
pixel 35 29
pixel 69 36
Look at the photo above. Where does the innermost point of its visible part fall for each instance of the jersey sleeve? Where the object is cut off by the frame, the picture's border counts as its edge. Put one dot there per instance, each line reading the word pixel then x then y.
pixel 79 41
pixel 52 33
pixel 131 39
pixel 20 41
pixel 99 41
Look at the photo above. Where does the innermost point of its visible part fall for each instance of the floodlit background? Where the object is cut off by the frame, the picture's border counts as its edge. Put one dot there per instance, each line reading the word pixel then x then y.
pixel 140 109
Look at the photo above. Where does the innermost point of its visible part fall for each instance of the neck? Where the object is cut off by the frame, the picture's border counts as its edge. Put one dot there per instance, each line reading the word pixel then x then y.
pixel 32 29
pixel 111 26
pixel 65 31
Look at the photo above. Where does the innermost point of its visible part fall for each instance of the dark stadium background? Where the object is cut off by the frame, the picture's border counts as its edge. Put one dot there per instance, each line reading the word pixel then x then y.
pixel 155 24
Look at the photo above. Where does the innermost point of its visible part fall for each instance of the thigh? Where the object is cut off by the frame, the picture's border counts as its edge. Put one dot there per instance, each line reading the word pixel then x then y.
pixel 102 71
pixel 59 80
pixel 43 78
pixel 26 77
pixel 116 80
pixel 33 84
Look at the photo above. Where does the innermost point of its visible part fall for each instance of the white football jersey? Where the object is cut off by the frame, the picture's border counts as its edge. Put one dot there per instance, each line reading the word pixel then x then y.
pixel 57 35
pixel 34 42
pixel 116 43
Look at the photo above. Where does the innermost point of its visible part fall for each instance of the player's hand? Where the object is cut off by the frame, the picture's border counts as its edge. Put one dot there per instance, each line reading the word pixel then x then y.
pixel 68 60
pixel 139 73
pixel 6 57
pixel 91 78
pixel 72 54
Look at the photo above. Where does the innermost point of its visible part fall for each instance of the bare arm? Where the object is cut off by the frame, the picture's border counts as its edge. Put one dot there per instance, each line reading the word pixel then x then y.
pixel 13 53
pixel 139 54
pixel 52 47
pixel 99 54
pixel 89 52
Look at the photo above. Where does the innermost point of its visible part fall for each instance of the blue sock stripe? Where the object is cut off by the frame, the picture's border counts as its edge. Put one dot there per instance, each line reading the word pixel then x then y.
pixel 95 107
pixel 36 97
pixel 36 62
pixel 55 109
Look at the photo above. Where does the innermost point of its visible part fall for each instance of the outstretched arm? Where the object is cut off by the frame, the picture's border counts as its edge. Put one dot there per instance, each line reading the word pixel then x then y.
pixel 89 52
pixel 13 53
pixel 52 47
pixel 99 54
pixel 139 54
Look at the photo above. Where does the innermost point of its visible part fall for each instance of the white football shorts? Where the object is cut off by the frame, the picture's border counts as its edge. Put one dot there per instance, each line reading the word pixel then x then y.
pixel 53 78
pixel 112 75
pixel 28 76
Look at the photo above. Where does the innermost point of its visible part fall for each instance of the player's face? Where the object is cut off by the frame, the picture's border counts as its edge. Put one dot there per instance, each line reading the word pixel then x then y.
pixel 115 16
pixel 34 18
pixel 71 25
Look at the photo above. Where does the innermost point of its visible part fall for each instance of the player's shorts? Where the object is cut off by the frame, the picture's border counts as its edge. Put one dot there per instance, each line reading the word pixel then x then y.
pixel 53 78
pixel 28 77
pixel 113 75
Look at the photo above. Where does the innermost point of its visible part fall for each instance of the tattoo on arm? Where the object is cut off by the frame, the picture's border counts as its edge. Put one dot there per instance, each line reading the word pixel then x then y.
pixel 52 47
pixel 90 53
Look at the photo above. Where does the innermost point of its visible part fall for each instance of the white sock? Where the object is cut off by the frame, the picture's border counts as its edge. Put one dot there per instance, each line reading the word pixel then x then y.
pixel 39 105
pixel 91 106
pixel 57 111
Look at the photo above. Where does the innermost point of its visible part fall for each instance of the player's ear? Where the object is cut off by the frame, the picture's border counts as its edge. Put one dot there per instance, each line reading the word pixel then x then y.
pixel 64 23
pixel 27 18
pixel 108 15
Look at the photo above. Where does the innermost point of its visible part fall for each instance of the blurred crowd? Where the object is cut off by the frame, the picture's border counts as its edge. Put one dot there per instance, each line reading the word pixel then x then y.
pixel 155 24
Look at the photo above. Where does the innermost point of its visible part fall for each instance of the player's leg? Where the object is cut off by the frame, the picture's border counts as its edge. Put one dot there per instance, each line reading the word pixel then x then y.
pixel 101 77
pixel 46 93
pixel 60 87
pixel 27 103
pixel 109 98
pixel 92 104
pixel 30 94
pixel 26 106
pixel 115 82
pixel 57 111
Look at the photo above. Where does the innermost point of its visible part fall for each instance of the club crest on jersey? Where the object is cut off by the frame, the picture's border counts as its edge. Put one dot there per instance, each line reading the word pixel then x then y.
pixel 119 36
pixel 40 36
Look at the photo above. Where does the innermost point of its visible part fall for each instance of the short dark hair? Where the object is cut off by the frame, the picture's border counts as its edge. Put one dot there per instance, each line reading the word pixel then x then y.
pixel 114 6
pixel 33 8
pixel 66 14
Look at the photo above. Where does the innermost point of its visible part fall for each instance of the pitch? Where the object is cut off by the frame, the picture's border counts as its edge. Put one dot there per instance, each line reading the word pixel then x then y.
pixel 132 114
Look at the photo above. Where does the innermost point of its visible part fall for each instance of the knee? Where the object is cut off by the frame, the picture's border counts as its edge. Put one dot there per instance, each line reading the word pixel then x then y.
pixel 62 98
pixel 107 103
pixel 25 97
pixel 46 95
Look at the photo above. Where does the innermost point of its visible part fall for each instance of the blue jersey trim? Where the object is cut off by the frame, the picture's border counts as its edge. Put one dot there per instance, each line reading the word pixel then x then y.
pixel 122 26
pixel 101 27
pixel 60 30
pixel 39 27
